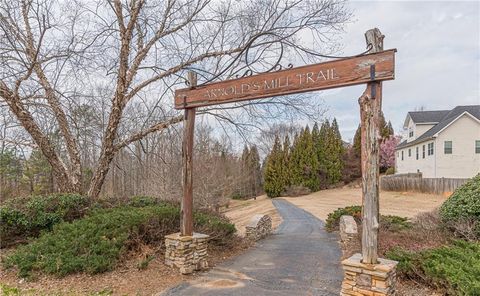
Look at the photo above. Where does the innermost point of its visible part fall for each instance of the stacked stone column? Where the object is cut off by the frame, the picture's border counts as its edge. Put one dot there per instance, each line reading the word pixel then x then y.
pixel 368 279
pixel 259 227
pixel 187 253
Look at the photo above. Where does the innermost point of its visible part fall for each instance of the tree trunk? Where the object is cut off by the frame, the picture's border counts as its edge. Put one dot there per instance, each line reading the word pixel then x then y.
pixel 59 168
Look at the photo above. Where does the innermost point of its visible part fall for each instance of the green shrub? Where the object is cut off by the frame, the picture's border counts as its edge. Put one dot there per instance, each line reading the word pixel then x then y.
pixel 143 201
pixel 455 268
pixel 28 216
pixel 463 205
pixel 390 171
pixel 96 243
pixel 388 222
pixel 333 218
pixel 394 223
pixel 218 227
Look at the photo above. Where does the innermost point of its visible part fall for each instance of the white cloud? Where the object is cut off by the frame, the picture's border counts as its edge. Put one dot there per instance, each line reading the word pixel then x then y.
pixel 437 63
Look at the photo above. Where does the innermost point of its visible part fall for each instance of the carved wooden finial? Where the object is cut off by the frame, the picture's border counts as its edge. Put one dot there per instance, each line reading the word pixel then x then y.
pixel 374 39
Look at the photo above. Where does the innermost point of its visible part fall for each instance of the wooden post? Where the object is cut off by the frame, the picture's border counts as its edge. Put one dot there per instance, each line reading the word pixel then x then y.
pixel 186 211
pixel 370 108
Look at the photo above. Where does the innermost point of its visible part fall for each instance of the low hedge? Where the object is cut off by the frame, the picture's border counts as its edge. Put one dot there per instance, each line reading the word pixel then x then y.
pixel 387 222
pixel 333 219
pixel 454 268
pixel 25 217
pixel 96 243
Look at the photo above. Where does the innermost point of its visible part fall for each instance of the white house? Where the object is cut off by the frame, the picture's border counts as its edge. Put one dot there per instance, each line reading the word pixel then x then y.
pixel 444 143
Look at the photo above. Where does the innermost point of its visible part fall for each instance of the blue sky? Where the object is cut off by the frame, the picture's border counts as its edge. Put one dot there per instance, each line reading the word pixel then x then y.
pixel 437 63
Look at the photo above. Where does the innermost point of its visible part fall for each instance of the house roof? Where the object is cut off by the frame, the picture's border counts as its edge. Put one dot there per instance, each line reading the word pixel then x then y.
pixel 447 118
pixel 427 116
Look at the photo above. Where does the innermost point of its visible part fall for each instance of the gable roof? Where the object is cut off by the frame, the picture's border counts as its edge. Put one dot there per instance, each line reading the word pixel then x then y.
pixel 428 116
pixel 448 118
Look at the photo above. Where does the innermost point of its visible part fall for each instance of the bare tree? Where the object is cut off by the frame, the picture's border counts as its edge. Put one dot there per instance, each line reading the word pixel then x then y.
pixel 58 57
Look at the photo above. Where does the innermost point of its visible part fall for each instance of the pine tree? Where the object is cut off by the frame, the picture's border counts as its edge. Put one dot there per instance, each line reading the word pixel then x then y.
pixel 286 166
pixel 304 161
pixel 295 174
pixel 243 190
pixel 38 173
pixel 254 170
pixel 10 173
pixel 319 148
pixel 323 136
pixel 335 154
pixel 389 130
pixel 273 183
pixel 357 142
pixel 386 129
pixel 311 164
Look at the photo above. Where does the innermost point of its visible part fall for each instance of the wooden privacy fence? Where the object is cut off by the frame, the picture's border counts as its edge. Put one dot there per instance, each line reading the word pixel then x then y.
pixel 415 182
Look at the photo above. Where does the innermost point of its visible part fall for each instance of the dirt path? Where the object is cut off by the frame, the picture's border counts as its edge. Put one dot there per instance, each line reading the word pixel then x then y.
pixel 405 204
pixel 299 259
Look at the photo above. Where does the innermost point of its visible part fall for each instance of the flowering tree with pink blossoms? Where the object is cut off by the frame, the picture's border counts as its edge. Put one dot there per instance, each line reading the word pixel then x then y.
pixel 387 151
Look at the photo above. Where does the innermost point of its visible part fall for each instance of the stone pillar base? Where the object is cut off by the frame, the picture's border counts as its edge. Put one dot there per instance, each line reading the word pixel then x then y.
pixel 368 279
pixel 187 253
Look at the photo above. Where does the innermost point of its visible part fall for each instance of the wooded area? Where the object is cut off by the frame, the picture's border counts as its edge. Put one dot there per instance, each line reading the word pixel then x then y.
pixel 83 83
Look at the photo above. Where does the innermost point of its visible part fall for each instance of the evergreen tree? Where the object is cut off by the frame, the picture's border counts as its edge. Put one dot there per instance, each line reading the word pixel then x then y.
pixel 10 173
pixel 273 183
pixel 386 129
pixel 357 142
pixel 255 171
pixel 389 130
pixel 295 175
pixel 304 162
pixel 38 173
pixel 311 164
pixel 286 166
pixel 321 150
pixel 335 151
pixel 243 190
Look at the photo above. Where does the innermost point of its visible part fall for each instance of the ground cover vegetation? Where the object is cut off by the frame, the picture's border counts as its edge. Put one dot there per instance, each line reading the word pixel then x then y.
pixel 97 238
pixel 388 222
pixel 439 249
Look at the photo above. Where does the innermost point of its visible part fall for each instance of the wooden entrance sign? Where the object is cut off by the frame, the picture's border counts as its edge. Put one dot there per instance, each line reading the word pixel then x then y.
pixel 370 69
pixel 343 72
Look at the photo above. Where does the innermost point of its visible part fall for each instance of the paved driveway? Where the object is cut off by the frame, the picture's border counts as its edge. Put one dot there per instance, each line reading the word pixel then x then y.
pixel 299 259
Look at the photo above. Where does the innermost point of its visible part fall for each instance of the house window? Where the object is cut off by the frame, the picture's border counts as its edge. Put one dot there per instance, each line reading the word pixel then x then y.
pixel 410 133
pixel 447 147
pixel 416 150
pixel 423 151
pixel 402 154
pixel 430 148
pixel 477 146
pixel 409 152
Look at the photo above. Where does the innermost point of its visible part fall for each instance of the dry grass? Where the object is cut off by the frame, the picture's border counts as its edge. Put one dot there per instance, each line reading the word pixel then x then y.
pixel 240 212
pixel 404 204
